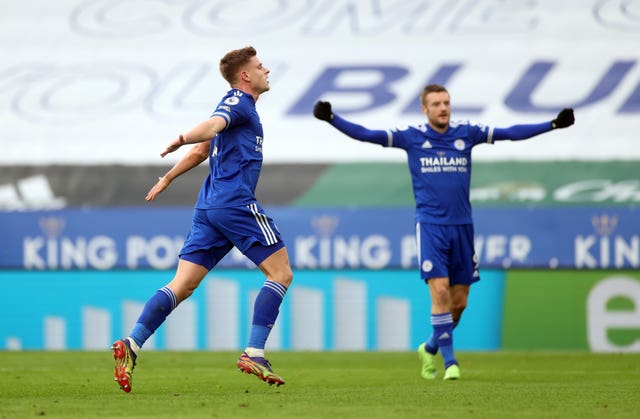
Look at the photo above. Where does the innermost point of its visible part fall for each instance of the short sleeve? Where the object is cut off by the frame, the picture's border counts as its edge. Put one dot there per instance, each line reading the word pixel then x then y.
pixel 233 109
pixel 479 134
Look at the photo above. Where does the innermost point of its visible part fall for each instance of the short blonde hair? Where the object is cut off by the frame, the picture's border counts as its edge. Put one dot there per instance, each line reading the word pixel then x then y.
pixel 233 61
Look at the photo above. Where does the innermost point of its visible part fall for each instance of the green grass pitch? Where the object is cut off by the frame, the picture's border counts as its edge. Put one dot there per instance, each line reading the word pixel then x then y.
pixel 321 385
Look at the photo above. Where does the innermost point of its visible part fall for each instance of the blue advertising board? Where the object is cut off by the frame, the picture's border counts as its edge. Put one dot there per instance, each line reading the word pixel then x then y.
pixel 323 238
pixel 356 310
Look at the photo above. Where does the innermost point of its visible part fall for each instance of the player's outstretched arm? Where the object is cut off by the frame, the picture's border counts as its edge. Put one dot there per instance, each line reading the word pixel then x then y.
pixel 193 158
pixel 204 131
pixel 519 132
pixel 322 111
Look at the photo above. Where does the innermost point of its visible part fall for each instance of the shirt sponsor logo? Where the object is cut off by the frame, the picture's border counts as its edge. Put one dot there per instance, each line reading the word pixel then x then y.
pixel 443 164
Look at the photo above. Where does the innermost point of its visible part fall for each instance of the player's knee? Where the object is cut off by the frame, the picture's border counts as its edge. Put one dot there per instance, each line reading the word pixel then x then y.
pixel 286 277
pixel 440 297
pixel 283 276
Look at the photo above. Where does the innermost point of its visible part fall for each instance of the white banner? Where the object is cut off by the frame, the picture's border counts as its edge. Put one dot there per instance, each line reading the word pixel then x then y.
pixel 113 81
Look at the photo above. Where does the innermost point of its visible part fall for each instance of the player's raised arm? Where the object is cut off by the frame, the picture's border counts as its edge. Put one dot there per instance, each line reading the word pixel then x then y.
pixel 193 158
pixel 564 119
pixel 322 110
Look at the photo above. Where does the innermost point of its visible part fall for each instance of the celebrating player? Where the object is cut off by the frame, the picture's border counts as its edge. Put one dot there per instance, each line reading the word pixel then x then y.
pixel 226 214
pixel 439 158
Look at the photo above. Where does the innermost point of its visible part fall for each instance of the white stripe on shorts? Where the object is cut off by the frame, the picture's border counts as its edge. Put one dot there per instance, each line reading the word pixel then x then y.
pixel 418 244
pixel 263 223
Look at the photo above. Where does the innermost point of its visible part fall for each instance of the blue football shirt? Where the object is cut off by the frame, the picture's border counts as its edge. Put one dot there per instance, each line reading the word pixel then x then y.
pixel 235 154
pixel 440 167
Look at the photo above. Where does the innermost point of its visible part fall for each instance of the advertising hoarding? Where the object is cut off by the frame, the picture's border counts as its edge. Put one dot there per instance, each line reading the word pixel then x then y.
pixel 323 310
pixel 319 238
pixel 572 310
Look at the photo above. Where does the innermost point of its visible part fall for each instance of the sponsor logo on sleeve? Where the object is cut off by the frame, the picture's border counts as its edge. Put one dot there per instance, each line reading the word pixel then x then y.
pixel 232 100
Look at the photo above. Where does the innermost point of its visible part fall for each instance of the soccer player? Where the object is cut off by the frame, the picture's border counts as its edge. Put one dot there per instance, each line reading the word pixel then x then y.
pixel 439 158
pixel 226 214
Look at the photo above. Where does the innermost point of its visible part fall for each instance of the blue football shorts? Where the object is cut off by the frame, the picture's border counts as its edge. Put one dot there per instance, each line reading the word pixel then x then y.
pixel 447 251
pixel 215 231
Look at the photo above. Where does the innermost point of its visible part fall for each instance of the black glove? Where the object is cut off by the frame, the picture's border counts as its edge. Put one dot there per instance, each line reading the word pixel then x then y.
pixel 564 119
pixel 322 110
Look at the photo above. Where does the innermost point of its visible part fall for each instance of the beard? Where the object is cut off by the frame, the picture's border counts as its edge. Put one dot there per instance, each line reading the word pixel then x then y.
pixel 440 123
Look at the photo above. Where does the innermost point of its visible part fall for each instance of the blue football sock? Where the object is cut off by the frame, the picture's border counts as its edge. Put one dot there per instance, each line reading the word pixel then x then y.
pixel 443 331
pixel 432 343
pixel 153 314
pixel 265 313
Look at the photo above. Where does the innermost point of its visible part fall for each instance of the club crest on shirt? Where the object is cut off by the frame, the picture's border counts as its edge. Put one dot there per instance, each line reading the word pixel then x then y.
pixel 459 144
